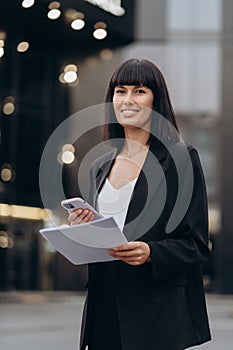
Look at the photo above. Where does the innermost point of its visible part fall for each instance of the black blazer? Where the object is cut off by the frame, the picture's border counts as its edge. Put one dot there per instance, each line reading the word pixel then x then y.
pixel 161 304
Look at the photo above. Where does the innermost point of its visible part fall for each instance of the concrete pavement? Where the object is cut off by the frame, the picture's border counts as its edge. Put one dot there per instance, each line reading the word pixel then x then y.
pixel 51 321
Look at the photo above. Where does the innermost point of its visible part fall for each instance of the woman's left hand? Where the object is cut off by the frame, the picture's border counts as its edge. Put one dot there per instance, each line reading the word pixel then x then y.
pixel 133 253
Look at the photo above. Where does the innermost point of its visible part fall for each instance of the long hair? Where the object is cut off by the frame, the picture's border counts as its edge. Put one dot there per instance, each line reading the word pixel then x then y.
pixel 141 72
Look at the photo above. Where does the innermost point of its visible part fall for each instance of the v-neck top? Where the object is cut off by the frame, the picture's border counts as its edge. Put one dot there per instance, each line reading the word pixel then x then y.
pixel 114 202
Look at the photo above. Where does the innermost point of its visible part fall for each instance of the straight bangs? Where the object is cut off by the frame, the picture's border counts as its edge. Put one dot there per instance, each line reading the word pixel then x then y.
pixel 133 72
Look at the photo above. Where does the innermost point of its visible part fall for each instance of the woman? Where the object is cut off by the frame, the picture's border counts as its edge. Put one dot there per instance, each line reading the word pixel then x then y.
pixel 151 297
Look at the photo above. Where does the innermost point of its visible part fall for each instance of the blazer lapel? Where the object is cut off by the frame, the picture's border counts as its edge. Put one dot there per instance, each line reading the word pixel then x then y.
pixel 103 172
pixel 151 182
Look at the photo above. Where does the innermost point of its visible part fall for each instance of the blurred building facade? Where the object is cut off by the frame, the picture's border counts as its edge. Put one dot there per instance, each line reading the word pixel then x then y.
pixel 191 42
pixel 40 45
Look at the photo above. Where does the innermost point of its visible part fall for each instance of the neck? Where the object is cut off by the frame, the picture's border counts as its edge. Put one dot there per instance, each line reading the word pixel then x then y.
pixel 135 145
pixel 139 136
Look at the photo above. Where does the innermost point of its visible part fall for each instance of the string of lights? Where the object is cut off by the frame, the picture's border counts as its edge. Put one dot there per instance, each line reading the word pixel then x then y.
pixel 74 18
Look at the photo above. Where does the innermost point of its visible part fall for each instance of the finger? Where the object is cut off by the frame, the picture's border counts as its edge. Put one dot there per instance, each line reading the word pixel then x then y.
pixel 76 221
pixel 77 211
pixel 126 247
pixel 122 257
pixel 133 262
pixel 125 254
pixel 84 214
pixel 72 216
pixel 88 217
pixel 84 217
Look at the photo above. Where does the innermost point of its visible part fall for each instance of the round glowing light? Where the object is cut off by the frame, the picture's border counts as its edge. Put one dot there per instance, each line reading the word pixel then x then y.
pixel 8 108
pixel 3 242
pixel 54 14
pixel 6 241
pixel 71 67
pixel 28 3
pixel 100 34
pixel 67 157
pixel 68 147
pixel 23 46
pixel 70 77
pixel 54 5
pixel 61 78
pixel 6 174
pixel 78 24
pixel 1 51
pixel 59 158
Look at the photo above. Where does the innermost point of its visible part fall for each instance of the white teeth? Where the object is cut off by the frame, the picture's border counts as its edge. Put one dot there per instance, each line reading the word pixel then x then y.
pixel 129 111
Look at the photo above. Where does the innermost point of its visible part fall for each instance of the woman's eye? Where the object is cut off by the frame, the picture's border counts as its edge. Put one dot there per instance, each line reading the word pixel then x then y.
pixel 140 91
pixel 119 91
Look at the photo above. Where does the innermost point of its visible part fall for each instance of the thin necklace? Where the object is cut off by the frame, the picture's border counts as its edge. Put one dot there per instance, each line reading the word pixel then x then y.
pixel 134 154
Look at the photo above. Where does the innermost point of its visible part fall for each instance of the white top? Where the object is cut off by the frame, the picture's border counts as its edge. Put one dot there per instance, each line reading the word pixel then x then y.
pixel 114 202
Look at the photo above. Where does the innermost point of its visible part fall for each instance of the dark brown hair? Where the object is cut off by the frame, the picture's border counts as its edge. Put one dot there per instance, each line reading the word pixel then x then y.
pixel 140 72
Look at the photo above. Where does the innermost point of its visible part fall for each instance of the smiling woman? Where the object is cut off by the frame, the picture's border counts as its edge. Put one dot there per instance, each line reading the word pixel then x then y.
pixel 133 105
pixel 141 74
pixel 151 296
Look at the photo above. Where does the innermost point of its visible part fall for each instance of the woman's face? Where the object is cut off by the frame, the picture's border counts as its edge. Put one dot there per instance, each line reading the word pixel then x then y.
pixel 133 105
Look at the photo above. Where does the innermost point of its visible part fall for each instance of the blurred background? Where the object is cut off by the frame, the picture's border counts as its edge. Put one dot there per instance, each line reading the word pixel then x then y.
pixel 56 58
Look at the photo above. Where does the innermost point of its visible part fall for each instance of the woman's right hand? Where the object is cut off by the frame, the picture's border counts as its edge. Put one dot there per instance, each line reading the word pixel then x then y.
pixel 80 216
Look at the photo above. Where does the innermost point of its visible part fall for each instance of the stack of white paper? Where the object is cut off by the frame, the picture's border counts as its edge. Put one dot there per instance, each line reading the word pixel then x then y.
pixel 86 243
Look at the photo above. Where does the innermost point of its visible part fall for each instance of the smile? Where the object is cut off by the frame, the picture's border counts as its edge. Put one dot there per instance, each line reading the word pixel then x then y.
pixel 129 111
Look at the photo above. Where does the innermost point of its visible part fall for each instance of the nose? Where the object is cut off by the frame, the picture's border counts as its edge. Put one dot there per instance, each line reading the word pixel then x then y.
pixel 128 98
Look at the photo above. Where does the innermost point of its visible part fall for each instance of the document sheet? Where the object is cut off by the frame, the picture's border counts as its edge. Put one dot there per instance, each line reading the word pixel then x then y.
pixel 86 243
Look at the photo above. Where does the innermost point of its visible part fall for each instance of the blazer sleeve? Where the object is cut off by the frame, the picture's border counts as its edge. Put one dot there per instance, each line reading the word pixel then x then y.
pixel 188 243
